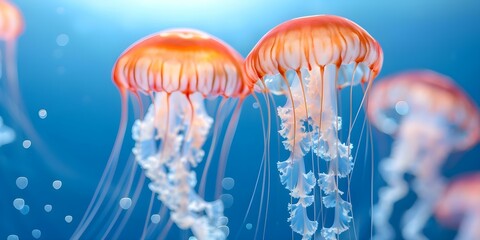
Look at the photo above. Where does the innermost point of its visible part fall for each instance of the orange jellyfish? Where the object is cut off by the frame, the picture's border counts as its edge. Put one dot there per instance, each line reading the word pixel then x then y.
pixel 428 117
pixel 308 59
pixel 11 26
pixel 459 206
pixel 180 70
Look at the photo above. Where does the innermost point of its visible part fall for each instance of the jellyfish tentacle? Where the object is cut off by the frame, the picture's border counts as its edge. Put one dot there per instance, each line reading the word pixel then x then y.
pixel 7 135
pixel 170 169
pixel 324 125
pixel 292 171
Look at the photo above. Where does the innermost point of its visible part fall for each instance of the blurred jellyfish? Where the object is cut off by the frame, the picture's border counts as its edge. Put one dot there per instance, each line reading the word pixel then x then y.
pixel 459 206
pixel 7 135
pixel 429 117
pixel 11 26
pixel 308 59
pixel 180 70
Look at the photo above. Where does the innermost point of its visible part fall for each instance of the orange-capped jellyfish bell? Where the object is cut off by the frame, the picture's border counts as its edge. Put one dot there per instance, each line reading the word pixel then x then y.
pixel 459 206
pixel 308 60
pixel 180 70
pixel 11 26
pixel 428 117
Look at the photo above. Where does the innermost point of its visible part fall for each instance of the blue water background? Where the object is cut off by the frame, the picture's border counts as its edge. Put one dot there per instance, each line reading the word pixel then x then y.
pixel 73 83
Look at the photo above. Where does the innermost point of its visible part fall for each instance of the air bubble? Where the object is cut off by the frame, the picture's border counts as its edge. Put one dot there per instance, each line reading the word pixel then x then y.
pixel 228 183
pixel 62 40
pixel 26 144
pixel 227 200
pixel 42 113
pixel 22 182
pixel 36 233
pixel 25 210
pixel 155 218
pixel 18 203
pixel 125 203
pixel 12 237
pixel 68 218
pixel 57 184
pixel 47 208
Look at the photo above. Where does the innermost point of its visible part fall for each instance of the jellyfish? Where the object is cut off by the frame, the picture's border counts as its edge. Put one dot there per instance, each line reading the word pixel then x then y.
pixel 11 27
pixel 179 70
pixel 7 135
pixel 308 59
pixel 428 117
pixel 459 206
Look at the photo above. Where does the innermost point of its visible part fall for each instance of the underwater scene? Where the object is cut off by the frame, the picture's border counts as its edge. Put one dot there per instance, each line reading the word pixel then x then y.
pixel 239 119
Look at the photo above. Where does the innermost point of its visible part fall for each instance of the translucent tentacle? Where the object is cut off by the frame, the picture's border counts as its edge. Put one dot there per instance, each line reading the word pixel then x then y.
pixel 169 166
pixel 292 171
pixel 325 124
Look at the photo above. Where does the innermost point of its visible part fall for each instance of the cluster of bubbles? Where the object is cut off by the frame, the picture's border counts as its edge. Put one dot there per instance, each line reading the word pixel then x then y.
pixel 21 205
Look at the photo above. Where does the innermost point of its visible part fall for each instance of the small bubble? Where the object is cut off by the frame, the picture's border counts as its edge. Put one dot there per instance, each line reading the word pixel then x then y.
pixel 36 233
pixel 248 226
pixel 155 218
pixel 42 113
pixel 402 107
pixel 227 200
pixel 192 238
pixel 228 183
pixel 26 144
pixel 255 105
pixel 18 203
pixel 22 182
pixel 57 184
pixel 60 10
pixel 25 210
pixel 125 203
pixel 62 40
pixel 12 237
pixel 68 218
pixel 47 208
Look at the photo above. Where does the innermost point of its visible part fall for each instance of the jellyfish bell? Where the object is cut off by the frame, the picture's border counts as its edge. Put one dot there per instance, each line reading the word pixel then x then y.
pixel 11 21
pixel 428 117
pixel 307 60
pixel 180 70
pixel 458 207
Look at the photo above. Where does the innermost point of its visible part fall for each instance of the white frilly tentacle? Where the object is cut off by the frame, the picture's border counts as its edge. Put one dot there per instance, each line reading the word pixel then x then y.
pixel 309 121
pixel 169 143
pixel 7 135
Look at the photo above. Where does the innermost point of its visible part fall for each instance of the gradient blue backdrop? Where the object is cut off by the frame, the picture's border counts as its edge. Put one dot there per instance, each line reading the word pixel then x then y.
pixel 73 83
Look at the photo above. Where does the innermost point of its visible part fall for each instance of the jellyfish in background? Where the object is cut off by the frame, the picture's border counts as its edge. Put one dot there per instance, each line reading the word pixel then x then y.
pixel 308 59
pixel 429 117
pixel 459 206
pixel 11 26
pixel 7 135
pixel 180 70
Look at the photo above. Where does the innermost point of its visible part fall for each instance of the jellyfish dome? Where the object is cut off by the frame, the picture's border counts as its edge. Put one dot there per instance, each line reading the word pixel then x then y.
pixel 308 59
pixel 459 206
pixel 180 70
pixel 428 117
pixel 11 21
